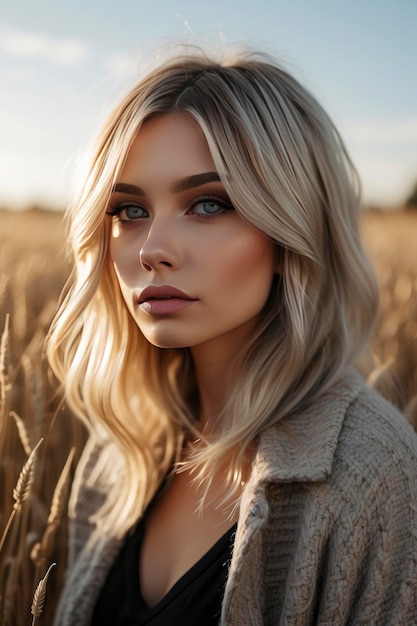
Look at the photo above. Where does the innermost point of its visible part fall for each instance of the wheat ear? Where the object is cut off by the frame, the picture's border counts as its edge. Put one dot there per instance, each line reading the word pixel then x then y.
pixel 39 596
pixel 23 433
pixel 58 497
pixel 25 480
pixel 22 489
pixel 4 361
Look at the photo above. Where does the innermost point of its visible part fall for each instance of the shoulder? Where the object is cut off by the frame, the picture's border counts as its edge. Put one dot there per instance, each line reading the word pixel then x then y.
pixel 376 443
pixel 373 474
pixel 347 427
pixel 349 450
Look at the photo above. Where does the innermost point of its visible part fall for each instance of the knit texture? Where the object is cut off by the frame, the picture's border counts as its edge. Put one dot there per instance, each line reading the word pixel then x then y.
pixel 327 532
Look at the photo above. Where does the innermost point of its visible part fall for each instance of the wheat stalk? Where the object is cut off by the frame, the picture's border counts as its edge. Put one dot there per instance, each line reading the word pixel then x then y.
pixel 39 596
pixel 23 433
pixel 10 574
pixel 20 312
pixel 22 489
pixel 33 388
pixel 4 284
pixel 57 505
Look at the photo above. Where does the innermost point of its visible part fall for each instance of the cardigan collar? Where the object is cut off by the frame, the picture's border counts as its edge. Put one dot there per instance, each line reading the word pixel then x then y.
pixel 302 446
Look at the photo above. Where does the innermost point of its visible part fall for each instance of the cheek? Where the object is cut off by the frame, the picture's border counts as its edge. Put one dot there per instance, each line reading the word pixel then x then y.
pixel 122 264
pixel 124 259
pixel 249 262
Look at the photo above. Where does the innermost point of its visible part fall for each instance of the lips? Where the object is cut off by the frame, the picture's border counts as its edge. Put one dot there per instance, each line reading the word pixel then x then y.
pixel 164 300
pixel 163 292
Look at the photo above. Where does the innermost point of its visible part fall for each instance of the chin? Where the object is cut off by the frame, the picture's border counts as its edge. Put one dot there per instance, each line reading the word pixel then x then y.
pixel 166 342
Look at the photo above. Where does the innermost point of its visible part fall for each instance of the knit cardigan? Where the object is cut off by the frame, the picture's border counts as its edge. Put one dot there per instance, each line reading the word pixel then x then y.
pixel 327 531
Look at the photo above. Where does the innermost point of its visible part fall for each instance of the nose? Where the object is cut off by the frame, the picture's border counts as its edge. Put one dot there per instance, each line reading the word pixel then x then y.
pixel 160 248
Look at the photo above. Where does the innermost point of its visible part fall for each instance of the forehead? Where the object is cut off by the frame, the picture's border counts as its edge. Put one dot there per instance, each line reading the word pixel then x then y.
pixel 171 144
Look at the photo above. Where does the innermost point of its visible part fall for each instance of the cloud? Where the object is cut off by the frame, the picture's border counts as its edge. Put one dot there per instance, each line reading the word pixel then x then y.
pixel 22 44
pixel 121 65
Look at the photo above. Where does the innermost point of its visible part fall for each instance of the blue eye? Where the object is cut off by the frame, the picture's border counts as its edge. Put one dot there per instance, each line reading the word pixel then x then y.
pixel 128 212
pixel 133 212
pixel 209 207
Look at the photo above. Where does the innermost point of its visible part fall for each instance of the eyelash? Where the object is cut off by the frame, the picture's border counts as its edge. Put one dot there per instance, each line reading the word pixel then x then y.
pixel 223 204
pixel 116 211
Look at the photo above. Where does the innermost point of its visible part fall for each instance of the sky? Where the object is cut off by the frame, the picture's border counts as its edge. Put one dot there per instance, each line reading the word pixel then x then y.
pixel 63 66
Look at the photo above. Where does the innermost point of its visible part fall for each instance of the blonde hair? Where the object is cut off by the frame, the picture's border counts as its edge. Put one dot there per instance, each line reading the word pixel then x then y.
pixel 286 170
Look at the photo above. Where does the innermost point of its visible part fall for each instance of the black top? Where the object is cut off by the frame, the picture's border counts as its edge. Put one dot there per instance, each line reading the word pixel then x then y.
pixel 195 598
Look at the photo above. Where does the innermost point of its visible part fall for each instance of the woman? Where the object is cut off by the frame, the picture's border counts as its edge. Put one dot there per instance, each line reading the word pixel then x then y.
pixel 238 470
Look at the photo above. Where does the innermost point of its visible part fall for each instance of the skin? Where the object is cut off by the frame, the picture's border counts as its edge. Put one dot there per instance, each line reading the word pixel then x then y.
pixel 166 233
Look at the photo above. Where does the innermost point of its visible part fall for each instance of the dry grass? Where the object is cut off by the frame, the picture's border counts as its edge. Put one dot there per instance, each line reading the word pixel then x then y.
pixel 32 273
pixel 390 239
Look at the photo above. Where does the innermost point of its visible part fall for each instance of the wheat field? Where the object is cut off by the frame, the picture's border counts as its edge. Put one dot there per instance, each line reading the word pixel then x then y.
pixel 40 441
pixel 33 270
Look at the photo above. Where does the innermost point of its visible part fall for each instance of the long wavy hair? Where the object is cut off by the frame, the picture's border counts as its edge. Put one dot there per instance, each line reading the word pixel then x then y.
pixel 286 170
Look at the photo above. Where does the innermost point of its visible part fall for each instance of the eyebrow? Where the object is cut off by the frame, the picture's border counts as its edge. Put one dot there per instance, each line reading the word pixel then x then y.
pixel 189 182
pixel 183 184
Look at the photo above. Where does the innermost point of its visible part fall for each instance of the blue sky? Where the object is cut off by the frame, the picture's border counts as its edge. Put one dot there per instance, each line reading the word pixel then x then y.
pixel 64 64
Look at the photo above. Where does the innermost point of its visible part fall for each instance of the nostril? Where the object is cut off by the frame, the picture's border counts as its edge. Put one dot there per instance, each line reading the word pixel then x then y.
pixel 146 266
pixel 150 267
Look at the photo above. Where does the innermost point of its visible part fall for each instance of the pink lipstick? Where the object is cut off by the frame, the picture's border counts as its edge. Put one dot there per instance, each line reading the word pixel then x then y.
pixel 164 300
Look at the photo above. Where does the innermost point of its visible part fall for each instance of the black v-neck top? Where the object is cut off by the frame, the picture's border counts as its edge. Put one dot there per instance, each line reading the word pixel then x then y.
pixel 195 598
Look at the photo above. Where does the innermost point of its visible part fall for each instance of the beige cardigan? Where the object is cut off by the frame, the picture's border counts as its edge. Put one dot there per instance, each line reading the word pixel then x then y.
pixel 327 532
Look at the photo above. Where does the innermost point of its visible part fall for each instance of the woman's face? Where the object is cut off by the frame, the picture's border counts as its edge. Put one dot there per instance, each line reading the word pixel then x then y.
pixel 192 271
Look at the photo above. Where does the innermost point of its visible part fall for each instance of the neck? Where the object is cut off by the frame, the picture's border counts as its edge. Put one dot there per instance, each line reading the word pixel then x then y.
pixel 215 374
